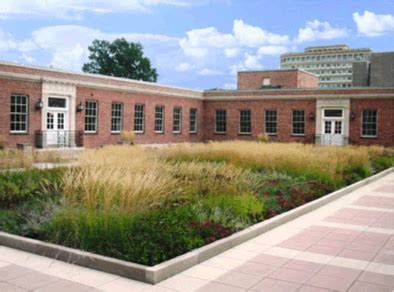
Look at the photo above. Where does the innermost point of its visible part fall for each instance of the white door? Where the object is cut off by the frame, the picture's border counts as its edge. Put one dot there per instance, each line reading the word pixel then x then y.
pixel 57 133
pixel 333 132
pixel 332 127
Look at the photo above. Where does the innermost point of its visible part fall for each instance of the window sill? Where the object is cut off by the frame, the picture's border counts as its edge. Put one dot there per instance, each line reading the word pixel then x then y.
pixel 245 134
pixel 115 133
pixel 298 135
pixel 19 133
pixel 176 132
pixel 368 137
pixel 90 133
pixel 159 132
pixel 193 133
pixel 138 132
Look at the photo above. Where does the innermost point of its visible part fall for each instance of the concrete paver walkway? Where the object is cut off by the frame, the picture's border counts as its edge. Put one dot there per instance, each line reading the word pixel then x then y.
pixel 347 245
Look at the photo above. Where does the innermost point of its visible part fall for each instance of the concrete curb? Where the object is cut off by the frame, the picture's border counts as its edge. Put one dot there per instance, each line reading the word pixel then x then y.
pixel 176 265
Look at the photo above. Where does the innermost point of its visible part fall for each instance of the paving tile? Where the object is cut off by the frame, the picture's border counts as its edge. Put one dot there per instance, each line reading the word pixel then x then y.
pixel 355 245
pixel 204 272
pixel 223 263
pixel 12 272
pixel 307 288
pixel 291 275
pixel 218 287
pixel 238 279
pixel 273 285
pixel 333 243
pixel 123 284
pixel 6 287
pixel 330 282
pixel 303 266
pixel 339 272
pixel 389 188
pixel 269 260
pixel 255 269
pixel 385 257
pixel 182 283
pixel 65 286
pixel 368 287
pixel 324 249
pixel 92 277
pixel 33 281
pixel 357 254
pixel 377 278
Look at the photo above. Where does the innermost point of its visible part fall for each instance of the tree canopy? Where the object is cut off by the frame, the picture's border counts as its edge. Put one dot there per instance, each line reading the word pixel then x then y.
pixel 120 59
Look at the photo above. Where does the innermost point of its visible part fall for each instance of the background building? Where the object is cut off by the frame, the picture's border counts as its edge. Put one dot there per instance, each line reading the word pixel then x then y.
pixel 379 72
pixel 333 64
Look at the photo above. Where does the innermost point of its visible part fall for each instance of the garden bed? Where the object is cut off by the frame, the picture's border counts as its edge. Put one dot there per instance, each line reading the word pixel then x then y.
pixel 148 206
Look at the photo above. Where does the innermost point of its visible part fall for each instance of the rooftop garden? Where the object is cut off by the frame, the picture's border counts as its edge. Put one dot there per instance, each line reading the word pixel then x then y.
pixel 148 205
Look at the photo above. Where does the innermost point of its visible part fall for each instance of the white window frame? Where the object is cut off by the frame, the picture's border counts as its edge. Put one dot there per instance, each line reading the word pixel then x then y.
pixel 216 121
pixel 292 122
pixel 266 81
pixel 139 120
pixel 91 116
pixel 113 110
pixel 176 119
pixel 362 122
pixel 193 121
pixel 26 114
pixel 161 119
pixel 239 121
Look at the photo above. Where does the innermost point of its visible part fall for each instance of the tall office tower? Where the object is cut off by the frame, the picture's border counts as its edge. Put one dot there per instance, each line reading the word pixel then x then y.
pixel 333 64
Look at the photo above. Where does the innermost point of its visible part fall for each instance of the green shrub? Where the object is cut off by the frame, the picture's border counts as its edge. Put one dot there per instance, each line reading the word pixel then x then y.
pixel 19 186
pixel 147 238
pixel 9 221
pixel 383 162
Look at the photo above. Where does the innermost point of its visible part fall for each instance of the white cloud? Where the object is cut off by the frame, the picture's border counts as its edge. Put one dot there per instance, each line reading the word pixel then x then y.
pixel 250 62
pixel 69 58
pixel 8 43
pixel 209 72
pixel 183 67
pixel 75 8
pixel 272 50
pixel 229 86
pixel 371 24
pixel 318 30
pixel 231 52
pixel 28 59
pixel 198 41
pixel 254 36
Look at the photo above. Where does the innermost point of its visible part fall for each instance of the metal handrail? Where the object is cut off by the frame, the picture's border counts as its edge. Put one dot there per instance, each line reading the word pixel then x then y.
pixel 60 138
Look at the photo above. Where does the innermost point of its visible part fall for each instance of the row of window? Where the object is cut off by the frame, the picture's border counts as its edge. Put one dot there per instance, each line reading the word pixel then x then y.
pixel 359 56
pixel 19 119
pixel 336 78
pixel 312 66
pixel 91 118
pixel 270 119
pixel 335 85
pixel 368 122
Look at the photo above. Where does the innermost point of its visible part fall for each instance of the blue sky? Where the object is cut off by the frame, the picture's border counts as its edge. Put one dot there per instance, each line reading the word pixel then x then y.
pixel 192 43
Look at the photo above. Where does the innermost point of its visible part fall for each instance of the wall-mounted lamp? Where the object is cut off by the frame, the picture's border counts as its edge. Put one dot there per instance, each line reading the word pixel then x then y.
pixel 352 116
pixel 311 116
pixel 39 104
pixel 80 107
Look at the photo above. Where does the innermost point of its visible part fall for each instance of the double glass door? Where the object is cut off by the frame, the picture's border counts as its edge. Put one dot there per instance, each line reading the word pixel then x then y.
pixel 56 128
pixel 333 127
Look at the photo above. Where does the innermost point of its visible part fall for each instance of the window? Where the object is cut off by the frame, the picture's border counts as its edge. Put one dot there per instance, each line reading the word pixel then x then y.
pixel 159 119
pixel 298 124
pixel 369 123
pixel 57 102
pixel 19 114
pixel 266 81
pixel 177 120
pixel 91 113
pixel 333 113
pixel 245 122
pixel 270 121
pixel 139 118
pixel 116 117
pixel 220 121
pixel 193 120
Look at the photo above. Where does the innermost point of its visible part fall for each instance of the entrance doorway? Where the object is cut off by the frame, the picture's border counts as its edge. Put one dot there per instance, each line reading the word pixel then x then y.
pixel 57 130
pixel 332 124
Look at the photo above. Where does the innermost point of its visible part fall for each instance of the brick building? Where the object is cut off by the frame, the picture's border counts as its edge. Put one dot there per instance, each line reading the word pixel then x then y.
pixel 45 107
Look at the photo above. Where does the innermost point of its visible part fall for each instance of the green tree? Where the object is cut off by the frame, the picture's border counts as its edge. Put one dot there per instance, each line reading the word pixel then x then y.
pixel 120 59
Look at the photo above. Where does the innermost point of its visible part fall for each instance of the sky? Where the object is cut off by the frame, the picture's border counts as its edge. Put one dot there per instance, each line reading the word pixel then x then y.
pixel 197 44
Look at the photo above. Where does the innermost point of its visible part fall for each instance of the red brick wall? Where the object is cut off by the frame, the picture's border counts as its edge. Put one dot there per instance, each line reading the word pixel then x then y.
pixel 105 99
pixel 284 113
pixel 385 110
pixel 284 78
pixel 9 87
pixel 306 80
